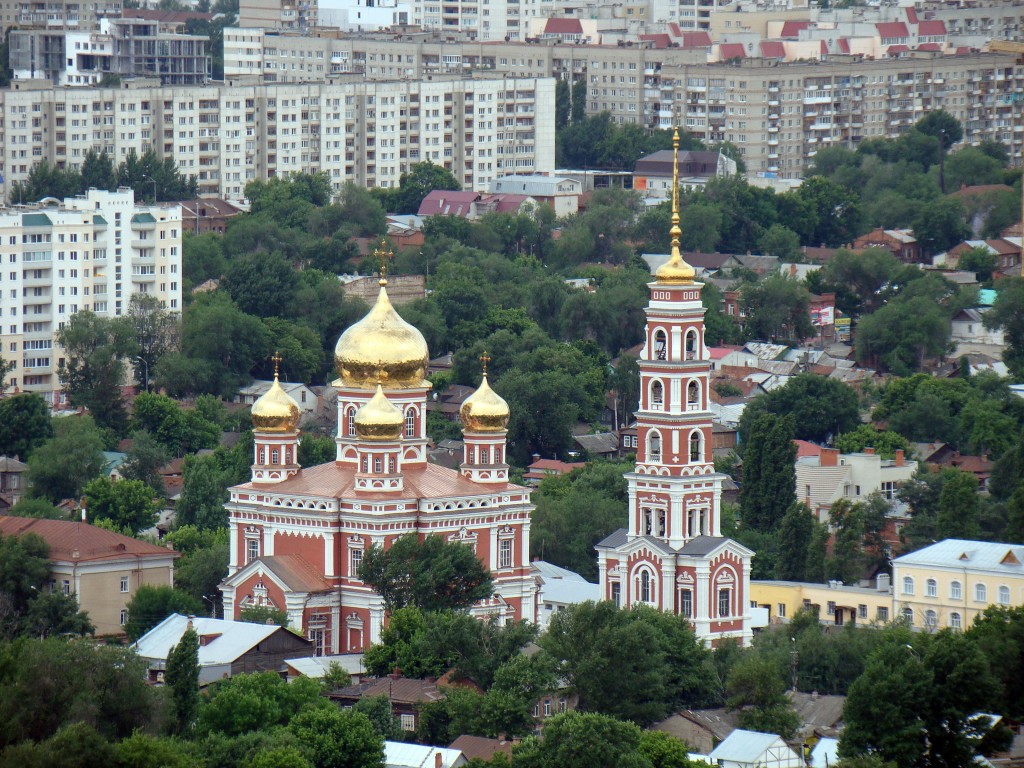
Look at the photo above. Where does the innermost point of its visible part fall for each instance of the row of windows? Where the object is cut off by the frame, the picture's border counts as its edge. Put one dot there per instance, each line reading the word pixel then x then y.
pixel 410 422
pixel 931 619
pixel 696 444
pixel 931 589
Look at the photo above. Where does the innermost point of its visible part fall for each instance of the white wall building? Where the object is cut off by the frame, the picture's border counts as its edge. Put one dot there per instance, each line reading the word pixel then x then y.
pixel 91 252
pixel 824 479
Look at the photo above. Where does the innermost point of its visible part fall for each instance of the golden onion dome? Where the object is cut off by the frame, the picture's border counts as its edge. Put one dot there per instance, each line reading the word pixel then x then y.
pixel 379 419
pixel 382 349
pixel 675 271
pixel 275 411
pixel 484 410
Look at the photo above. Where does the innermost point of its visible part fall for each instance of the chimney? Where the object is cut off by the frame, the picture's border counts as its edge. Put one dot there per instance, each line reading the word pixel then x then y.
pixel 869 451
pixel 395 673
pixel 829 457
pixel 438 760
pixel 899 457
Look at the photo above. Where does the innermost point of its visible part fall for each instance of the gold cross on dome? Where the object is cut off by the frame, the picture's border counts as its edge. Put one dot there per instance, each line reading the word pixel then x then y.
pixel 484 360
pixel 383 254
pixel 276 359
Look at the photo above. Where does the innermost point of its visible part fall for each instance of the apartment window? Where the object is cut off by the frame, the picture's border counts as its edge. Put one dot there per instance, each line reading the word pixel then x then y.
pixel 882 614
pixel 356 560
pixel 931 619
pixel 1004 595
pixel 980 593
pixel 908 585
pixel 124 617
pixel 782 610
pixel 408 722
pixel 830 608
pixel 66 587
pixel 124 583
pixel 505 553
pixel 956 591
pixel 547 708
pixel 908 616
pixel 931 588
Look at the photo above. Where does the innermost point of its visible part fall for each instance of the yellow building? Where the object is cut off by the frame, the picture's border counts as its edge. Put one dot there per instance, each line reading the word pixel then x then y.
pixel 949 583
pixel 835 602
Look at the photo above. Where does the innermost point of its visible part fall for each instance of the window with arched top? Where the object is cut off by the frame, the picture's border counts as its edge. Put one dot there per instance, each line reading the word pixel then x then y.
pixel 646 590
pixel 410 422
pixel 263 455
pixel 931 588
pixel 931 619
pixel 657 394
pixel 485 456
pixel 956 591
pixel 692 396
pixel 696 446
pixel 980 593
pixel 654 447
pixel 908 616
pixel 691 344
pixel 954 620
pixel 1004 595
pixel 275 456
pixel 908 585
pixel 660 345
pixel 350 422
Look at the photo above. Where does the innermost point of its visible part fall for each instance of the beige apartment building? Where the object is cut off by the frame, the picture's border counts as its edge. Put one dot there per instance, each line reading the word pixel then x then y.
pixel 56 14
pixel 229 134
pixel 778 113
pixel 88 253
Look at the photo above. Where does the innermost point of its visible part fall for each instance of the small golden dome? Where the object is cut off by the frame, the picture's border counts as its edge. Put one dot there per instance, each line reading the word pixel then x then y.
pixel 275 411
pixel 675 271
pixel 382 349
pixel 484 410
pixel 379 419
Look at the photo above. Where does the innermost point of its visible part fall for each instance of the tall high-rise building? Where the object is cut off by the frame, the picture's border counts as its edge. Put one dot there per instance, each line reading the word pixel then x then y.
pixel 92 252
pixel 673 555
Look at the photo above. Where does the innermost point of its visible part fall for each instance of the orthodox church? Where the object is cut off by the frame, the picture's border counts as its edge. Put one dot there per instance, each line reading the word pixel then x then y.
pixel 298 535
pixel 673 555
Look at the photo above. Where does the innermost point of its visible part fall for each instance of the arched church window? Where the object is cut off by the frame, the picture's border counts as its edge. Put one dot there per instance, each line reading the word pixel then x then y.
pixel 275 456
pixel 695 446
pixel 263 455
pixel 691 344
pixel 692 395
pixel 661 522
pixel 657 394
pixel 350 419
pixel 654 447
pixel 648 522
pixel 410 422
pixel 660 345
pixel 485 456
pixel 378 464
pixel 646 590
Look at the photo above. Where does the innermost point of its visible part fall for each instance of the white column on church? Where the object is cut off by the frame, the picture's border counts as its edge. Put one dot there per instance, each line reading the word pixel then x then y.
pixel 233 547
pixel 702 620
pixel 329 555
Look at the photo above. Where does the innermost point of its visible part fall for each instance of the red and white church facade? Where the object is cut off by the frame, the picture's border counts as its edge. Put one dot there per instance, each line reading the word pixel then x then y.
pixel 673 556
pixel 298 535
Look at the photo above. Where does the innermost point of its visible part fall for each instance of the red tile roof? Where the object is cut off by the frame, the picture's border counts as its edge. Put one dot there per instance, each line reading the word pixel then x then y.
pixel 773 50
pixel 794 28
pixel 824 48
pixel 894 49
pixel 804 449
pixel 912 15
pixel 963 50
pixel 929 47
pixel 892 29
pixel 937 27
pixel 296 572
pixel 447 203
pixel 544 467
pixel 696 40
pixel 731 51
pixel 563 27
pixel 481 747
pixel 81 542
pixel 844 45
pixel 675 30
pixel 660 41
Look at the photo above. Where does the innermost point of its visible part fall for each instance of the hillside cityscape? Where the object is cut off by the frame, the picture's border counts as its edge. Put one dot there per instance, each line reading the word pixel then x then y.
pixel 401 383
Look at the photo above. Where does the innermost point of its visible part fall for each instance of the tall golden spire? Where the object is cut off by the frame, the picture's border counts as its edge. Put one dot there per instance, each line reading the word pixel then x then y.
pixel 675 271
pixel 383 254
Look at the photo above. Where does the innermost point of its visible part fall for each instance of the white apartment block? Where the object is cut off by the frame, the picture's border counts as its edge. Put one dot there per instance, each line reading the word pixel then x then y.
pixel 778 113
pixel 91 252
pixel 823 480
pixel 228 134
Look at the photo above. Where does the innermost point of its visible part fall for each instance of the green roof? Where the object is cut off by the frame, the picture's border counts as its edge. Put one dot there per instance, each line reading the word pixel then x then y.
pixel 97 219
pixel 143 218
pixel 35 220
pixel 986 297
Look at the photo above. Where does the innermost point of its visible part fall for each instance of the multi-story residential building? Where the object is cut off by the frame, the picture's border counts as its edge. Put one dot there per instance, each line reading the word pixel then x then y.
pixel 949 583
pixel 779 113
pixel 834 602
pixel 90 252
pixel 102 569
pixel 278 14
pixel 229 134
pixel 56 14
pixel 824 479
pixel 130 47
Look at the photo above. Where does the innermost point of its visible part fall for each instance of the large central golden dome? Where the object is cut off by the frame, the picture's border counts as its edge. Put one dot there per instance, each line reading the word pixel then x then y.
pixel 382 349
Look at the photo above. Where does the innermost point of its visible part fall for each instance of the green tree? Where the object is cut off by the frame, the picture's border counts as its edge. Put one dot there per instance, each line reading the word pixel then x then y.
pixel 998 633
pixel 769 476
pixel 151 604
pixel 582 740
pixel 637 664
pixel 834 209
pixel 903 334
pixel 756 689
pixel 776 308
pixel 820 407
pixel 254 702
pixel 261 283
pixel 128 504
pixel 93 368
pixel 24 424
pixel 156 332
pixel 144 459
pixel 316 449
pixel 182 678
pixel 945 128
pixel 980 261
pixel 941 225
pixel 338 738
pixel 60 467
pixel 262 614
pixel 150 175
pixel 884 442
pixel 203 563
pixel 796 529
pixel 432 574
pixel 958 506
pixel 203 494
pixel 422 179
pixel 781 242
pixel 1008 313
pixel 663 750
pixel 846 564
pixel 701 225
pixel 98 171
pixel 378 710
pixel 44 181
pixel 858 278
